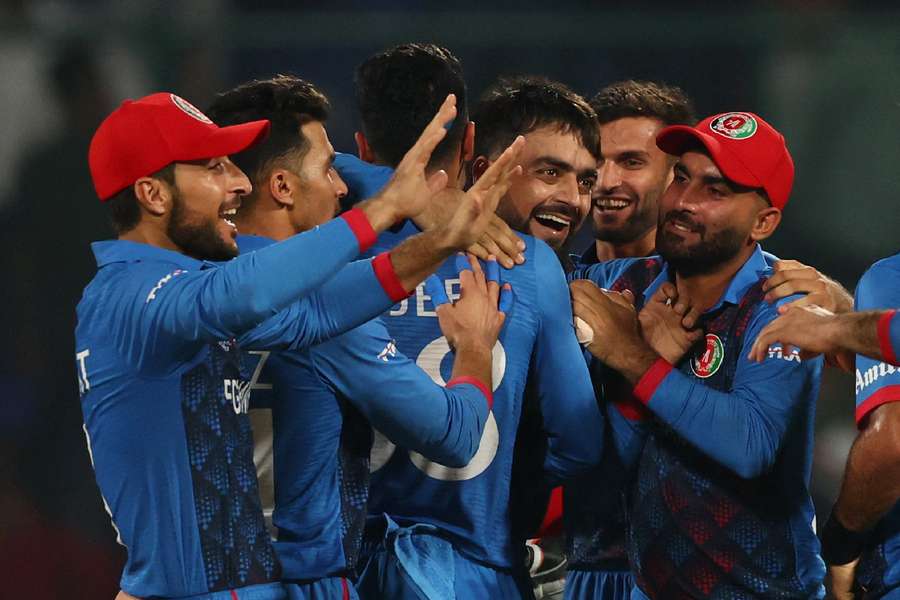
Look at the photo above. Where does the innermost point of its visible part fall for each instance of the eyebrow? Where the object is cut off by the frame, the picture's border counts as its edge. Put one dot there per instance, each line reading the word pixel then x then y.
pixel 554 162
pixel 714 180
pixel 626 154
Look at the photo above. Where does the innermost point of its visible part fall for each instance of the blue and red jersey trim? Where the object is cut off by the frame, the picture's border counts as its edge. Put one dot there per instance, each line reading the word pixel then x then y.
pixel 361 228
pixel 387 276
pixel 485 390
pixel 884 337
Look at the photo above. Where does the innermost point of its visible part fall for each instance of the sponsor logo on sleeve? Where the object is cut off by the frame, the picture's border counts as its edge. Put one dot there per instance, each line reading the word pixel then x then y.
pixel 162 282
pixel 871 375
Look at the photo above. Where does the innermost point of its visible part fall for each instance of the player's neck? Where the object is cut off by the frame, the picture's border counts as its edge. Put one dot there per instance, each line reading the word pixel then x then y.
pixel 146 233
pixel 642 246
pixel 705 289
pixel 264 223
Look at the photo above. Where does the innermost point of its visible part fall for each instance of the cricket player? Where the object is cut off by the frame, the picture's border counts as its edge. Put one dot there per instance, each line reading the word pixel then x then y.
pixel 860 538
pixel 163 391
pixel 435 530
pixel 633 173
pixel 324 400
pixel 723 446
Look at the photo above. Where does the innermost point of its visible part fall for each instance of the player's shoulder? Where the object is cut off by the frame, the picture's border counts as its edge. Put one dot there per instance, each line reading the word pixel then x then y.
pixel 605 273
pixel 879 287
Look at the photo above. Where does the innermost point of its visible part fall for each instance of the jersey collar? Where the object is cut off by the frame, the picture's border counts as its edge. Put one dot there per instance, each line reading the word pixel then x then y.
pixel 751 271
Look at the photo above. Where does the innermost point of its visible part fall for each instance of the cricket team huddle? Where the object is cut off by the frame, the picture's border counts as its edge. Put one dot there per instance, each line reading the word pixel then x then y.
pixel 389 374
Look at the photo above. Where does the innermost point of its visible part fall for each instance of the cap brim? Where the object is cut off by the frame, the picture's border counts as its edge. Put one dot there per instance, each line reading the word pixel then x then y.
pixel 677 139
pixel 233 139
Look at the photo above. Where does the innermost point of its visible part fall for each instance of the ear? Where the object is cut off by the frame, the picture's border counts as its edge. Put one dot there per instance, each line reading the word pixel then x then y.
pixel 479 166
pixel 468 144
pixel 154 196
pixel 362 147
pixel 282 187
pixel 766 222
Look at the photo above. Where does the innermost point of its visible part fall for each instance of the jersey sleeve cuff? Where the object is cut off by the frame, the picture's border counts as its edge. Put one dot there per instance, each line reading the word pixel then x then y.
pixel 651 380
pixel 885 395
pixel 361 228
pixel 488 395
pixel 387 277
pixel 631 408
pixel 887 324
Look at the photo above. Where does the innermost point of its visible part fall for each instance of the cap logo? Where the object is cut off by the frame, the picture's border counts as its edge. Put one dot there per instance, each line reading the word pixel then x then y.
pixel 736 126
pixel 189 109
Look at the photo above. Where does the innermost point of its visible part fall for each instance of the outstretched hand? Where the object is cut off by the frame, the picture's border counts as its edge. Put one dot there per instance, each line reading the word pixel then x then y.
pixel 811 329
pixel 475 212
pixel 793 277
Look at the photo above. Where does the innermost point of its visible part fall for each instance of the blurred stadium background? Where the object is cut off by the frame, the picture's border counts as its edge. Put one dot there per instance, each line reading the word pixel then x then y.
pixel 826 73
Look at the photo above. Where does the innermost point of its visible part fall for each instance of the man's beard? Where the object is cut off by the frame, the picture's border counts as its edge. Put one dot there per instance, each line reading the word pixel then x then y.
pixel 703 257
pixel 523 224
pixel 197 238
pixel 641 220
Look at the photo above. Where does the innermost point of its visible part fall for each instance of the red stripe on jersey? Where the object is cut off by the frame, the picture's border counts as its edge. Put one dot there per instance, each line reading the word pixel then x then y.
pixel 488 395
pixel 361 228
pixel 387 277
pixel 886 394
pixel 650 380
pixel 884 337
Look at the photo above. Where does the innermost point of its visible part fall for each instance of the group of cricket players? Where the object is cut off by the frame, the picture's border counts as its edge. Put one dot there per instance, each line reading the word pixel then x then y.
pixel 388 373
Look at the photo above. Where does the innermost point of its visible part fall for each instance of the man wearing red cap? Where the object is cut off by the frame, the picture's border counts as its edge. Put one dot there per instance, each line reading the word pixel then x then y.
pixel 163 391
pixel 719 505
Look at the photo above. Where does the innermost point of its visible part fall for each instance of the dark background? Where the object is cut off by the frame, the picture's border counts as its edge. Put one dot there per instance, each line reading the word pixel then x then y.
pixel 826 73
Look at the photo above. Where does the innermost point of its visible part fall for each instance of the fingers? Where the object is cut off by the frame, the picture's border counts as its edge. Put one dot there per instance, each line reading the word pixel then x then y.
pixel 492 275
pixel 507 299
pixel 508 244
pixel 434 132
pixel 434 287
pixel 437 181
pixel 689 320
pixel 487 247
pixel 502 167
pixel 478 273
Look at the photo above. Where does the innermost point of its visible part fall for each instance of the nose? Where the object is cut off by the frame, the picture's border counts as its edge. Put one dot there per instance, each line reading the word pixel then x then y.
pixel 340 188
pixel 609 177
pixel 239 183
pixel 569 192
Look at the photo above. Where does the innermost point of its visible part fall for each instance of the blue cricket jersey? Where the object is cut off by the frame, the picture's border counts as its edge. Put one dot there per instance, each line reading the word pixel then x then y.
pixel 878 383
pixel 324 401
pixel 164 394
pixel 720 505
pixel 536 356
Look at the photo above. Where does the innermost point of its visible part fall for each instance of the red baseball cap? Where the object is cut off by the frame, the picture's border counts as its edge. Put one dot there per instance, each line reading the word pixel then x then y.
pixel 746 149
pixel 142 136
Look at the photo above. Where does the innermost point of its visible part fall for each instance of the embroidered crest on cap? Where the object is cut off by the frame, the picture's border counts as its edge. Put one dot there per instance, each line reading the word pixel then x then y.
pixel 737 126
pixel 709 362
pixel 190 109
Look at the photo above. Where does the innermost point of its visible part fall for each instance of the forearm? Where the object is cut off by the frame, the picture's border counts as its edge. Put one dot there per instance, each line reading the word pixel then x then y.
pixel 875 334
pixel 746 439
pixel 473 361
pixel 871 485
pixel 380 211
pixel 419 256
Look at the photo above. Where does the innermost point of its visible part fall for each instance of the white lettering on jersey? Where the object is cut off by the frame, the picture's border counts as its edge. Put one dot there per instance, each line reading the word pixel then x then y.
pixel 429 360
pixel 162 282
pixel 254 380
pixel 238 393
pixel 390 351
pixel 866 378
pixel 450 285
pixel 83 384
pixel 778 352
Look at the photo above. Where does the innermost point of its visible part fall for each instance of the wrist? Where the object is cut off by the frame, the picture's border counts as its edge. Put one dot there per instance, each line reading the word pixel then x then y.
pixel 633 360
pixel 381 212
pixel 475 348
pixel 839 544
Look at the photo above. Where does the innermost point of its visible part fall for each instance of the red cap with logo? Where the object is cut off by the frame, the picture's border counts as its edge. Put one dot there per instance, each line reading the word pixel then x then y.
pixel 747 150
pixel 142 136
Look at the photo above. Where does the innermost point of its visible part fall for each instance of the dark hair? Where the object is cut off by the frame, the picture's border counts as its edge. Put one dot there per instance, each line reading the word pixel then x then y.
pixel 398 91
pixel 124 208
pixel 633 98
pixel 518 105
pixel 288 102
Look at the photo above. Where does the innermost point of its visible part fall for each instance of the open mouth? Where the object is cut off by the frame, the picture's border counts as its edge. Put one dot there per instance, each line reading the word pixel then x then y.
pixel 553 221
pixel 225 214
pixel 611 204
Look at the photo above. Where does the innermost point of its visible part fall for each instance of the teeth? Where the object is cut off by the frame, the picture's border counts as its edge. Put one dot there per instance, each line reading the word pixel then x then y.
pixel 612 203
pixel 681 227
pixel 230 223
pixel 553 218
pixel 230 212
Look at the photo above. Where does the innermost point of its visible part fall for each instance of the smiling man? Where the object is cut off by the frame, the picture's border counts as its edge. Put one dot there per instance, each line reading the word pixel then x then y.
pixel 551 199
pixel 719 505
pixel 163 391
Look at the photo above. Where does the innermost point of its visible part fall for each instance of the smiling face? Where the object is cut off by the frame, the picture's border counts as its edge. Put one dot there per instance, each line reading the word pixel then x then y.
pixel 204 199
pixel 705 219
pixel 551 198
pixel 632 175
